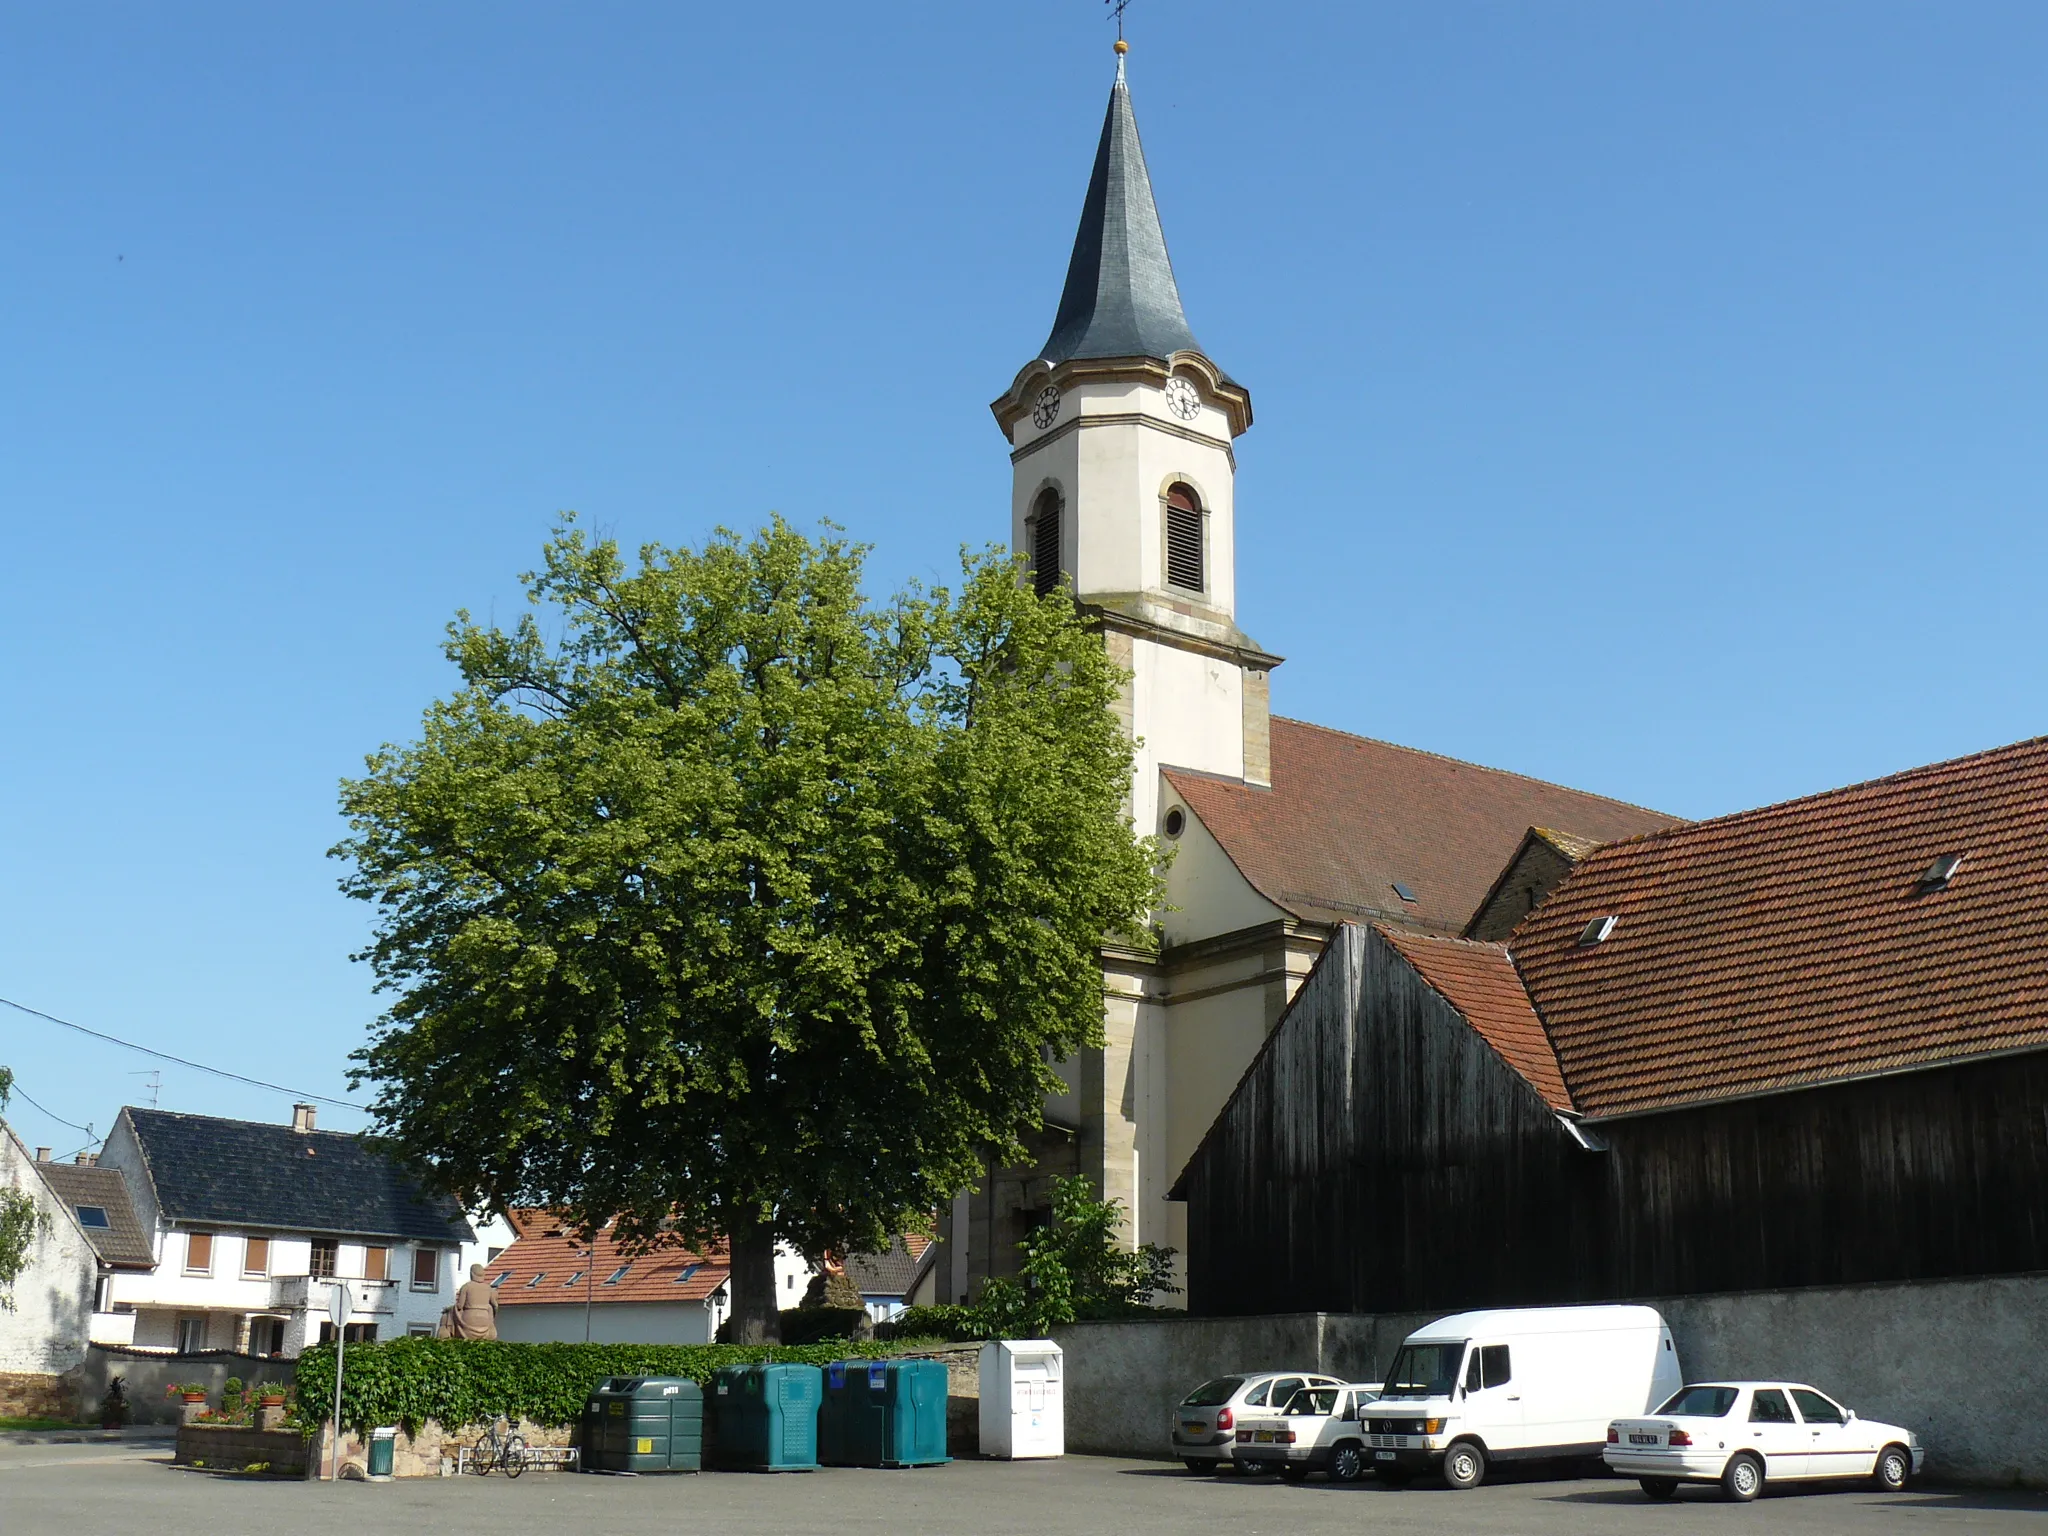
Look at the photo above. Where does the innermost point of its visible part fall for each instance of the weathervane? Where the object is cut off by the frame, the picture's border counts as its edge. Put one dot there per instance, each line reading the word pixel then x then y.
pixel 1116 10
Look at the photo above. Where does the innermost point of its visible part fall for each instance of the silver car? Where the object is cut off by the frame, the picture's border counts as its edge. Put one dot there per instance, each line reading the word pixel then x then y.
pixel 1205 1421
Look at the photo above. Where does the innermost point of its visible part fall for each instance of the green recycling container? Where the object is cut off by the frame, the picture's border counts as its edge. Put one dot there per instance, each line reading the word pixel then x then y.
pixel 644 1424
pixel 764 1418
pixel 883 1413
pixel 383 1443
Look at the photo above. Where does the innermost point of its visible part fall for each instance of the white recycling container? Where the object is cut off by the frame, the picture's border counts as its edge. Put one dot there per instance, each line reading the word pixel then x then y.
pixel 1022 1414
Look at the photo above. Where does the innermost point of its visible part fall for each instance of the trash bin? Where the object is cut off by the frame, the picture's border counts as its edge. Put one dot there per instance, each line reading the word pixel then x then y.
pixel 883 1413
pixel 644 1424
pixel 1021 1410
pixel 383 1446
pixel 765 1418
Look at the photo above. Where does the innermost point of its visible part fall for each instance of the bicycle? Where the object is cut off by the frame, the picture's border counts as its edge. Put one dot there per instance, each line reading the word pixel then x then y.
pixel 506 1452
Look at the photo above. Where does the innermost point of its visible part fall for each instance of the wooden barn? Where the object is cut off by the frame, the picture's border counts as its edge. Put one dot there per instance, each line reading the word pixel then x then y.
pixel 1803 1045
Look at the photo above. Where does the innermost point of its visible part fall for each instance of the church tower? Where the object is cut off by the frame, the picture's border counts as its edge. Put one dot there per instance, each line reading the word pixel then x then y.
pixel 1120 433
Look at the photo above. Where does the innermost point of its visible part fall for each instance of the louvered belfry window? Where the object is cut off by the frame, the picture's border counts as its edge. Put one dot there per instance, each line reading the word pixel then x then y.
pixel 1183 539
pixel 1045 542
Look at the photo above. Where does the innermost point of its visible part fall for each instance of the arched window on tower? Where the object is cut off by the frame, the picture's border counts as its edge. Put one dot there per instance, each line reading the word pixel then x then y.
pixel 1045 541
pixel 1183 539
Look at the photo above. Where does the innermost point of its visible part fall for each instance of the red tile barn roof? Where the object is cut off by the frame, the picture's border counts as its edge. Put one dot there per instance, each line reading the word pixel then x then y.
pixel 1798 943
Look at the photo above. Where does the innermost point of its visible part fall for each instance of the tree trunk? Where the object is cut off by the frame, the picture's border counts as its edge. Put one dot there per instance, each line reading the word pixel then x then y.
pixel 755 1318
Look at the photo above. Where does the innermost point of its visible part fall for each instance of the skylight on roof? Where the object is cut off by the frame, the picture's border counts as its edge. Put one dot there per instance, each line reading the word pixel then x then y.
pixel 1941 871
pixel 502 1277
pixel 688 1270
pixel 1597 931
pixel 536 1280
pixel 92 1216
pixel 574 1278
pixel 1405 892
pixel 619 1274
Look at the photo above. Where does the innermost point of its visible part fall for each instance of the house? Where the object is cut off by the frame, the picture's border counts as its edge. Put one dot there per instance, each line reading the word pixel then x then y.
pixel 1121 434
pixel 45 1322
pixel 555 1288
pixel 251 1223
pixel 1800 1046
pixel 98 1200
pixel 905 1276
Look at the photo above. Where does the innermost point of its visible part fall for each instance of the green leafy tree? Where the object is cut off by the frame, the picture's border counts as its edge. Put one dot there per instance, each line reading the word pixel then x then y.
pixel 730 904
pixel 21 1221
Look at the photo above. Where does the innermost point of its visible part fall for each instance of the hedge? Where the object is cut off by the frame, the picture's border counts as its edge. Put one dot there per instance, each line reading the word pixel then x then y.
pixel 408 1381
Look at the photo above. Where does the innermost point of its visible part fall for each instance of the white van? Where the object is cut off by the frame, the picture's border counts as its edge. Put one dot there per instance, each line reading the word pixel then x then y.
pixel 1528 1384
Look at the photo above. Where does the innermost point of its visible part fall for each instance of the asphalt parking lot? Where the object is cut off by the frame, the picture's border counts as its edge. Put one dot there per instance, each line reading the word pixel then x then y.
pixel 84 1490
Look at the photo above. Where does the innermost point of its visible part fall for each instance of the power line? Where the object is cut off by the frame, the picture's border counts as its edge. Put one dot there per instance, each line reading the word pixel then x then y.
pixel 68 1124
pixel 196 1066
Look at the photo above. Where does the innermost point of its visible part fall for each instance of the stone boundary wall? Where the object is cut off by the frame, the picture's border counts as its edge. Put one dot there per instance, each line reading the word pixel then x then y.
pixel 421 1455
pixel 31 1395
pixel 147 1375
pixel 232 1449
pixel 1961 1362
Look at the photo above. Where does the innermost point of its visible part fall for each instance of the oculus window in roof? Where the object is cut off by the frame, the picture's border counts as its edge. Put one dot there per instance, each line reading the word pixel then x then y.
pixel 92 1216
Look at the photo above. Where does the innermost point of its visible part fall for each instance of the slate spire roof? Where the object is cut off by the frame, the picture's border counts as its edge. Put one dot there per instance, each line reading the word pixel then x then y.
pixel 1120 299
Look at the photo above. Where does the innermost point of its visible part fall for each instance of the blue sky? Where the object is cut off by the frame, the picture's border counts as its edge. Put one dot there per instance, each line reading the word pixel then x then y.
pixel 1650 397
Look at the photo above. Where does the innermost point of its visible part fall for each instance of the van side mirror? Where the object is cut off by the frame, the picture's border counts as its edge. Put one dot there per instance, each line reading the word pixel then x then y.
pixel 1848 1415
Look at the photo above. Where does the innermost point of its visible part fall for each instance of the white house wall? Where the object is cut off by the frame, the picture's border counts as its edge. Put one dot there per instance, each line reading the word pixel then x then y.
pixel 617 1322
pixel 44 1331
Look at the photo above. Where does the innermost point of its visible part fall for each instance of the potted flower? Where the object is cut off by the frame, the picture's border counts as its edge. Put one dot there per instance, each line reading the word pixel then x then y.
pixel 194 1394
pixel 270 1405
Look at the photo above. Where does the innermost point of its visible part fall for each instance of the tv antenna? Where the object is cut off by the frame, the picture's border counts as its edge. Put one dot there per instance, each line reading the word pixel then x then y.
pixel 156 1084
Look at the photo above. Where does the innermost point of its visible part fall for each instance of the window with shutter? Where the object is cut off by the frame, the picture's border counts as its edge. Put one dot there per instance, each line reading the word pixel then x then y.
pixel 426 1269
pixel 199 1253
pixel 321 1264
pixel 256 1256
pixel 1045 541
pixel 376 1263
pixel 1183 539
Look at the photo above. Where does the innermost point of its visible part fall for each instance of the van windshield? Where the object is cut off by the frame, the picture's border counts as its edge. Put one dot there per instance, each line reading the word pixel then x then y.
pixel 1424 1370
pixel 1701 1403
pixel 1213 1394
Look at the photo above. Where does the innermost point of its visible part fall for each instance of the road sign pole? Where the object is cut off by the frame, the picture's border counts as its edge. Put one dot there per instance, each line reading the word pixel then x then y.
pixel 338 1309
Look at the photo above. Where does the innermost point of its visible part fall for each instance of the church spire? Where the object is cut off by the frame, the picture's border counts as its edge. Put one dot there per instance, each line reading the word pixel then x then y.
pixel 1120 299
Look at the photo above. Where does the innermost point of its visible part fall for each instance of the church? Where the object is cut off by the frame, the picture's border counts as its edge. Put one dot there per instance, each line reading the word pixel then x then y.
pixel 1122 436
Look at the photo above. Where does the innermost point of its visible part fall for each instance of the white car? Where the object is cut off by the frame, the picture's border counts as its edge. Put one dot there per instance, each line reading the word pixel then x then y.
pixel 1205 1421
pixel 1743 1434
pixel 1319 1430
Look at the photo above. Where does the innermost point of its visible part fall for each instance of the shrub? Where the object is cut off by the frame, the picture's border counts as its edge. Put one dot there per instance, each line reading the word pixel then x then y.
pixel 459 1381
pixel 817 1325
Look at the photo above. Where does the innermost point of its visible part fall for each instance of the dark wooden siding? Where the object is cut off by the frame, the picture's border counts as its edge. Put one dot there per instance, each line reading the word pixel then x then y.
pixel 1378 1156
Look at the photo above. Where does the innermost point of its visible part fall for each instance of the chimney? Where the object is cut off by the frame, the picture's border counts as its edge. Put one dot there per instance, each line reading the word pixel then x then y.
pixel 302 1117
pixel 85 1159
pixel 42 1154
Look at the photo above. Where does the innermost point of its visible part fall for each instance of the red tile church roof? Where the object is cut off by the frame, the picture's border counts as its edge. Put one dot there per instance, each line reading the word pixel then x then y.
pixel 1347 817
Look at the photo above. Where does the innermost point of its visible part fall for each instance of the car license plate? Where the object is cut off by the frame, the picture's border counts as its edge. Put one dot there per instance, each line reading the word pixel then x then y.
pixel 1645 1439
pixel 1382 1455
pixel 1264 1437
pixel 1189 1426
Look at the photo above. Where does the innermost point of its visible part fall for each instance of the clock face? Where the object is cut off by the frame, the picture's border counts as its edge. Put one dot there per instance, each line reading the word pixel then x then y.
pixel 1047 410
pixel 1182 399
